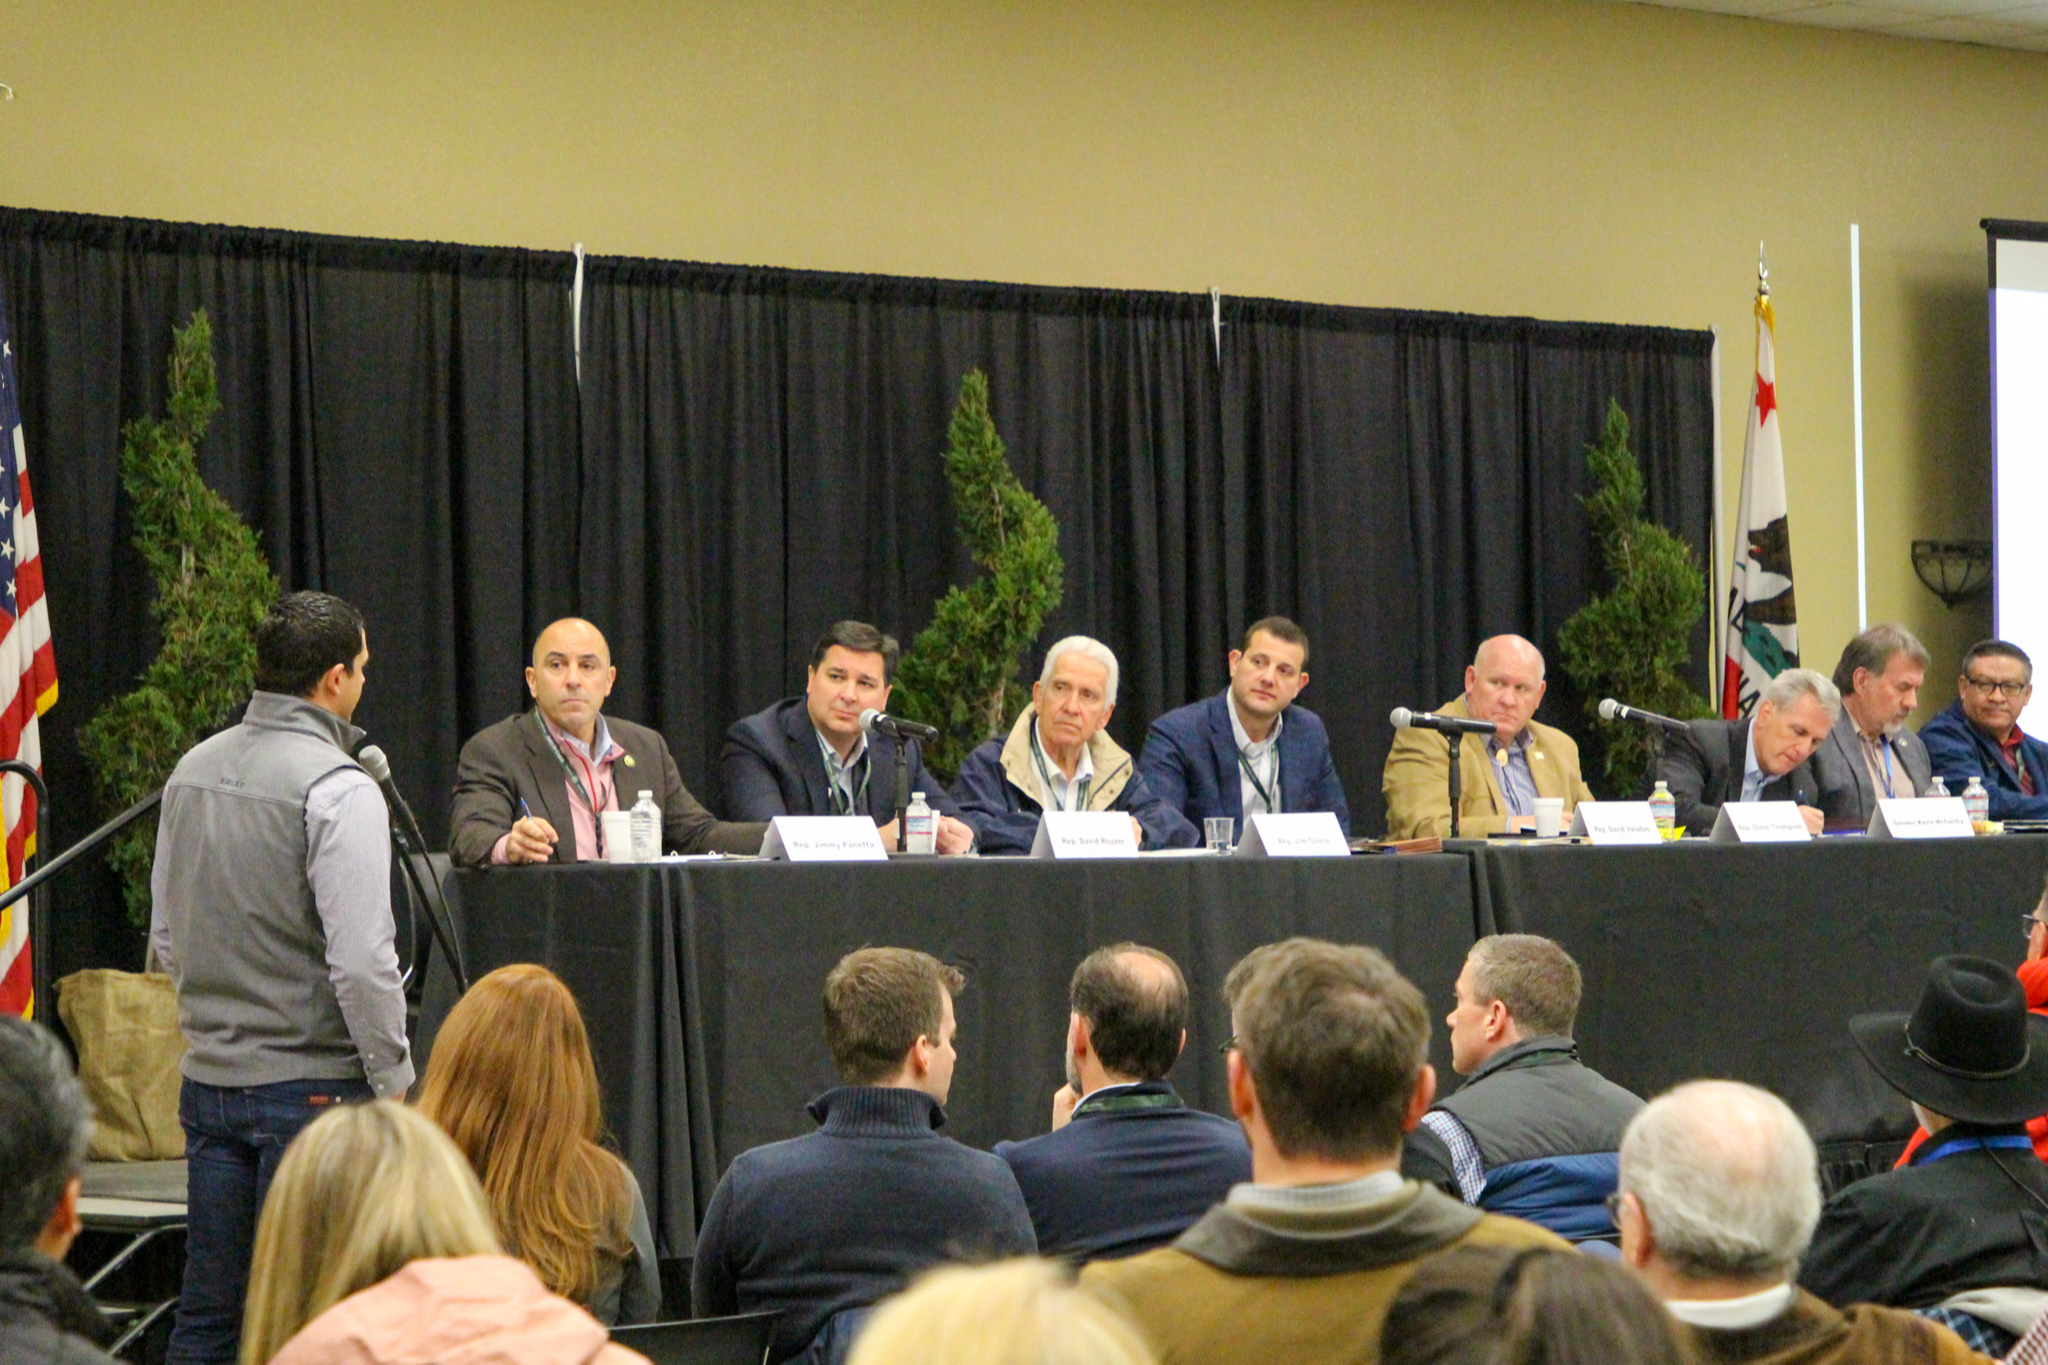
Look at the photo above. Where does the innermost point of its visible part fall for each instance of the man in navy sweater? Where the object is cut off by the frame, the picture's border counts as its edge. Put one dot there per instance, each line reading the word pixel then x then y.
pixel 1979 734
pixel 1127 1166
pixel 822 1226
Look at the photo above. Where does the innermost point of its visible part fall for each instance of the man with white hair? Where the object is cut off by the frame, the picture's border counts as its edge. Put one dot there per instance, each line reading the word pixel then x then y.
pixel 1057 757
pixel 1500 778
pixel 1764 756
pixel 1718 1197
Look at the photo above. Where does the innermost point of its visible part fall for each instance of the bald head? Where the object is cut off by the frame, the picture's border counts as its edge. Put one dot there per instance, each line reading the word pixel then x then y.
pixel 1726 1180
pixel 1504 684
pixel 1135 1005
pixel 571 675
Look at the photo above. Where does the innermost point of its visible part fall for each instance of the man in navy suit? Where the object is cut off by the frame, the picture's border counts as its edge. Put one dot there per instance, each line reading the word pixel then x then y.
pixel 807 755
pixel 1244 751
pixel 1127 1166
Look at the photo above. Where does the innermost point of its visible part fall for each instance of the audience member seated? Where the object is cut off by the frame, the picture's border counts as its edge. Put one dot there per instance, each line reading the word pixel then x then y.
pixel 1499 779
pixel 530 789
pixel 45 1124
pixel 1249 749
pixel 1020 1312
pixel 1057 757
pixel 1532 1132
pixel 1127 1166
pixel 1327 1070
pixel 375 1248
pixel 1978 734
pixel 1764 756
pixel 821 1227
pixel 1493 1306
pixel 2033 975
pixel 1720 1188
pixel 1960 1233
pixel 1870 748
pixel 512 1081
pixel 809 756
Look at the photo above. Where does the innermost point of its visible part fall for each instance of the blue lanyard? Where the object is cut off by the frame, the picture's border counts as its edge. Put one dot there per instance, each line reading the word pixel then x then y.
pixel 1951 1147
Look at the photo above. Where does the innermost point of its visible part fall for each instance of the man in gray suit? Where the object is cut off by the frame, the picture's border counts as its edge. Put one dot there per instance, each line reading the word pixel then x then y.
pixel 1870 748
pixel 1765 756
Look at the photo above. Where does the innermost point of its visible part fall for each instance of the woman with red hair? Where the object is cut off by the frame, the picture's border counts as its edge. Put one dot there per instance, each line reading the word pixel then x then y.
pixel 511 1080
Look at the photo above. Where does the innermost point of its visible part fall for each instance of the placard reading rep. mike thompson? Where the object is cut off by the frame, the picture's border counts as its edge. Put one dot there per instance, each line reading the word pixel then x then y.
pixel 1085 834
pixel 824 839
pixel 1303 834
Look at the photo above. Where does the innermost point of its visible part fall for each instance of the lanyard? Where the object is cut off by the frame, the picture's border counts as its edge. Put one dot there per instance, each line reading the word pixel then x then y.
pixel 841 803
pixel 1045 774
pixel 561 760
pixel 1245 763
pixel 1973 1144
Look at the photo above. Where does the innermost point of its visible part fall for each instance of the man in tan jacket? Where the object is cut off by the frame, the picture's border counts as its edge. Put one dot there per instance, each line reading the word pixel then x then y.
pixel 1327 1071
pixel 1502 774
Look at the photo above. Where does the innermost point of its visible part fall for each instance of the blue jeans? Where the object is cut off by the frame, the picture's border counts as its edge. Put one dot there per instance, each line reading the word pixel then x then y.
pixel 234 1139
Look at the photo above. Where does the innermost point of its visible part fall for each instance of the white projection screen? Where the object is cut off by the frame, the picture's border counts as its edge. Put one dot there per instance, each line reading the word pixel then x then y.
pixel 2019 433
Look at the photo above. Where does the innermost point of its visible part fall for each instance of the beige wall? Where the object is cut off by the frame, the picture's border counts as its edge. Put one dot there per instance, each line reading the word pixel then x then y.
pixel 1559 158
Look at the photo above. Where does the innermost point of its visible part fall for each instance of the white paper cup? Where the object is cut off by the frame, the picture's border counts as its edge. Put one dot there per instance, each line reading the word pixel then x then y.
pixel 1549 816
pixel 617 828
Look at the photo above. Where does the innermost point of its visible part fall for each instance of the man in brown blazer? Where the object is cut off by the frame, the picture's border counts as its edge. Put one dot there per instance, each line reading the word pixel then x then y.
pixel 1502 774
pixel 530 789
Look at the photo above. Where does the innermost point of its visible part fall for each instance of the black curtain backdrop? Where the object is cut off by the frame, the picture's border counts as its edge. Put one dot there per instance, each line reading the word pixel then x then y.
pixel 751 454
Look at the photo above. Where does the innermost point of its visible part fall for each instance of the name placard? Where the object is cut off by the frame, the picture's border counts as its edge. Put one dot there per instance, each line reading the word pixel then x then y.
pixel 1615 822
pixel 1085 834
pixel 1303 834
pixel 1761 822
pixel 824 839
pixel 1930 817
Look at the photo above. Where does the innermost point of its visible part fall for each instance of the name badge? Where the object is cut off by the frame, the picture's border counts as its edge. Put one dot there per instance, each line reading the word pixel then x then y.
pixel 1761 822
pixel 1615 822
pixel 1085 834
pixel 1930 817
pixel 1302 834
pixel 824 839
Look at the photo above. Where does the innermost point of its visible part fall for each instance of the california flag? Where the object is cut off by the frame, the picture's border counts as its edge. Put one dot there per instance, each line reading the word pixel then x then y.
pixel 1763 627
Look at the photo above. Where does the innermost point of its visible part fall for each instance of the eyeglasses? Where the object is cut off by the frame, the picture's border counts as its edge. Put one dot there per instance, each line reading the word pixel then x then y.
pixel 1990 687
pixel 1614 1208
pixel 1229 1046
pixel 2029 923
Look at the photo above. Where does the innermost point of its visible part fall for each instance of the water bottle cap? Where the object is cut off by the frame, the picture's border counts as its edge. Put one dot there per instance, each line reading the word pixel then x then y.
pixel 1661 786
pixel 646 796
pixel 917 796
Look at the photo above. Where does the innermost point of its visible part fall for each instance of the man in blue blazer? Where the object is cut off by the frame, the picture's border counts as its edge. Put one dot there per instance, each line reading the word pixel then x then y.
pixel 1979 735
pixel 1248 749
pixel 807 755
pixel 1127 1166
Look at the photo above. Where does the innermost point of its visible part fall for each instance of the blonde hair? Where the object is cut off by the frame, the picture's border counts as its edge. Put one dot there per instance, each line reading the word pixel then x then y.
pixel 512 1081
pixel 1018 1312
pixel 362 1192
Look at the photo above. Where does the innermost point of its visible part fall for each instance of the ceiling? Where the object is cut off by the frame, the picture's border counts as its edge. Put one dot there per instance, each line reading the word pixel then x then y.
pixel 1995 23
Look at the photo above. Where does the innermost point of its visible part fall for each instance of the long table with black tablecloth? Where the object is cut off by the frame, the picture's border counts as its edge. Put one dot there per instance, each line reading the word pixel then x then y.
pixel 700 981
pixel 1747 960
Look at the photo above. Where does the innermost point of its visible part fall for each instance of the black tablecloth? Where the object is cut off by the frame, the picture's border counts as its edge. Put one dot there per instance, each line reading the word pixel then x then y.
pixel 1746 961
pixel 700 981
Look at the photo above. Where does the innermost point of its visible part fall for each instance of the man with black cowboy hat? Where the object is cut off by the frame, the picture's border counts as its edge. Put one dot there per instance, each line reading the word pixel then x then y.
pixel 1960 1233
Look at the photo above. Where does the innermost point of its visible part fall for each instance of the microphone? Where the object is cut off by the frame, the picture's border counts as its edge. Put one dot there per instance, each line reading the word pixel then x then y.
pixel 874 722
pixel 379 768
pixel 1610 709
pixel 1404 719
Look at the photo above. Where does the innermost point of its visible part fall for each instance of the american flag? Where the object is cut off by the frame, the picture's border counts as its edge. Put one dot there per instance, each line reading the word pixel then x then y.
pixel 28 675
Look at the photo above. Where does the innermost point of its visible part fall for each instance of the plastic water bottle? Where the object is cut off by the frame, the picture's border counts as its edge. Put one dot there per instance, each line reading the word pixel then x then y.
pixel 1977 802
pixel 1940 788
pixel 1664 807
pixel 920 826
pixel 646 829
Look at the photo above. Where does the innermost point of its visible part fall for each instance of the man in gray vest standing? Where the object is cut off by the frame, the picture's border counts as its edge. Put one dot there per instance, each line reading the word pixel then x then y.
pixel 272 913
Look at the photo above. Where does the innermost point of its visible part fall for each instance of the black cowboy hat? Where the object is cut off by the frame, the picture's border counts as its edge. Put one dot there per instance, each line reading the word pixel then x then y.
pixel 1970 1050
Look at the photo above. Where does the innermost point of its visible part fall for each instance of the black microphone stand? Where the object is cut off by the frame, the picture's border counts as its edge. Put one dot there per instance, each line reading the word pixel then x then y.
pixel 1453 739
pixel 902 795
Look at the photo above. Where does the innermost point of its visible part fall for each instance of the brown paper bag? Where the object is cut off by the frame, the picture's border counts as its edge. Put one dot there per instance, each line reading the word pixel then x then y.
pixel 125 1026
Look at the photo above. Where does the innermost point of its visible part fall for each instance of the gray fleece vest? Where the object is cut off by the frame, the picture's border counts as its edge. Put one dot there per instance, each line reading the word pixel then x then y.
pixel 254 999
